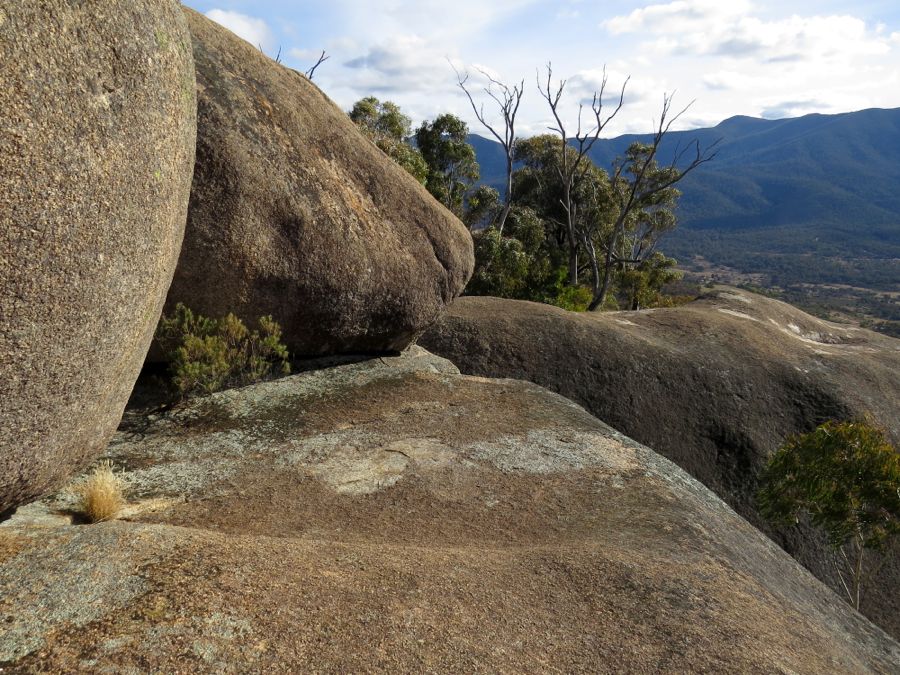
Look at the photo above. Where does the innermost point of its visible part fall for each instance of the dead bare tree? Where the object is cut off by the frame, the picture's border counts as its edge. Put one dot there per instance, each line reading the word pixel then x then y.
pixel 645 183
pixel 573 151
pixel 507 99
pixel 312 69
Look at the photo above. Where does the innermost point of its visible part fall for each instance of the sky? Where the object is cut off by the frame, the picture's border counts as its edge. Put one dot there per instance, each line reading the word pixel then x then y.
pixel 762 58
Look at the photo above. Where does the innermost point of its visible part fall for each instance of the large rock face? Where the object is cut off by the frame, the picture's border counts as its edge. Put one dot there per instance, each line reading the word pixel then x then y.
pixel 294 214
pixel 715 386
pixel 97 133
pixel 394 516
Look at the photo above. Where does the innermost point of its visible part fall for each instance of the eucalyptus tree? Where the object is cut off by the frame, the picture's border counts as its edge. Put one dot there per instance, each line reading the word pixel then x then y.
pixel 451 162
pixel 845 477
pixel 482 207
pixel 573 166
pixel 638 180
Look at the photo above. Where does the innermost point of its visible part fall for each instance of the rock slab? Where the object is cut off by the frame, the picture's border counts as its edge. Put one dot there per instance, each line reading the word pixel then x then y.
pixel 714 385
pixel 395 516
pixel 294 213
pixel 97 136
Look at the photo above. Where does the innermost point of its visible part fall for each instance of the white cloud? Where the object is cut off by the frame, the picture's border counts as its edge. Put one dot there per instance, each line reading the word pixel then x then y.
pixel 303 54
pixel 403 47
pixel 462 17
pixel 711 28
pixel 481 74
pixel 638 89
pixel 733 80
pixel 676 17
pixel 253 30
pixel 343 44
pixel 406 63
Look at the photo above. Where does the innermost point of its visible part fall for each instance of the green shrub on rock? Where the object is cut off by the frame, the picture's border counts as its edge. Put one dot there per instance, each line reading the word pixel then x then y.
pixel 846 477
pixel 206 355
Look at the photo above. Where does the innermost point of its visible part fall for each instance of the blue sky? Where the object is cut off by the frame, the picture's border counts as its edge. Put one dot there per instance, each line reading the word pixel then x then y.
pixel 762 58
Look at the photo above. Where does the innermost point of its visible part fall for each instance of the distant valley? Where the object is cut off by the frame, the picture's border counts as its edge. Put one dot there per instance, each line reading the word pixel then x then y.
pixel 806 208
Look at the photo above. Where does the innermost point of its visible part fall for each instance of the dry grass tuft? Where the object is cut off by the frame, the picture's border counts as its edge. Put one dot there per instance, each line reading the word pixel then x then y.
pixel 100 495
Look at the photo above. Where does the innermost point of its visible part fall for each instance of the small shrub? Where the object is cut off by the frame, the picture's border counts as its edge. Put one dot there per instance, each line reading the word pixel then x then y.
pixel 845 476
pixel 573 298
pixel 100 495
pixel 207 355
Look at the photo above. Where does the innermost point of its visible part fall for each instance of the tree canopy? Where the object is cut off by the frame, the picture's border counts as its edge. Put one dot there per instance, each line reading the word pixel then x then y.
pixel 386 126
pixel 638 271
pixel 566 231
pixel 382 118
pixel 452 167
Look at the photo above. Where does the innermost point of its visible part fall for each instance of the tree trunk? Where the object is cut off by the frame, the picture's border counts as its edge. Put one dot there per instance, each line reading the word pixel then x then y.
pixel 573 264
pixel 503 216
pixel 591 253
pixel 507 202
pixel 600 300
pixel 573 241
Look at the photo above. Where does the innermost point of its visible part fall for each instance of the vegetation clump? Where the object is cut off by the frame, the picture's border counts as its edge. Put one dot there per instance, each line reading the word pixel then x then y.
pixel 565 232
pixel 845 476
pixel 388 128
pixel 206 355
pixel 100 495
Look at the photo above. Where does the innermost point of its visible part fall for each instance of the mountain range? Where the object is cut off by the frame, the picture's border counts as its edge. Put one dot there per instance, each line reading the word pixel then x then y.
pixel 809 200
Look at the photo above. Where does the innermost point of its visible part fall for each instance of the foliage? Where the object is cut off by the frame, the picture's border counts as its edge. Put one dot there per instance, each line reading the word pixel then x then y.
pixel 452 167
pixel 100 494
pixel 206 354
pixel 638 269
pixel 381 118
pixel 642 211
pixel 539 223
pixel 406 156
pixel 482 207
pixel 537 183
pixel 654 215
pixel 516 264
pixel 540 236
pixel 846 478
pixel 572 298
pixel 501 265
pixel 386 126
pixel 641 286
pixel 845 475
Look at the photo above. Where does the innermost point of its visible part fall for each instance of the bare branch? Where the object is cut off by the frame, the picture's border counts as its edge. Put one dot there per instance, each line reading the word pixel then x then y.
pixel 312 70
pixel 507 100
pixel 641 189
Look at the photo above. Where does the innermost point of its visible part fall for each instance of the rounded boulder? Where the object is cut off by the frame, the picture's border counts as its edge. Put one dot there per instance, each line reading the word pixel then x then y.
pixel 296 215
pixel 97 139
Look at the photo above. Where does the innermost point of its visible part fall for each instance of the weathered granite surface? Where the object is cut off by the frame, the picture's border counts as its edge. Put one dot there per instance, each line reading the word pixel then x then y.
pixel 715 385
pixel 393 515
pixel 97 137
